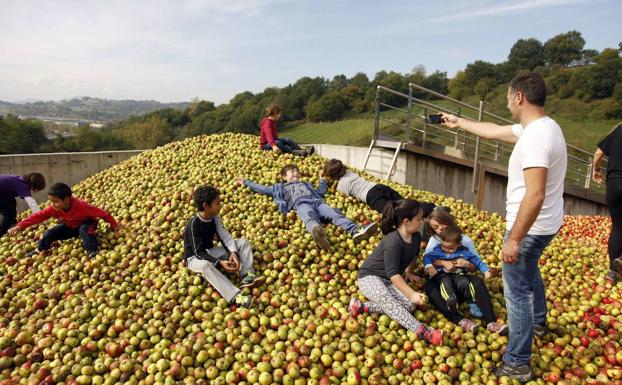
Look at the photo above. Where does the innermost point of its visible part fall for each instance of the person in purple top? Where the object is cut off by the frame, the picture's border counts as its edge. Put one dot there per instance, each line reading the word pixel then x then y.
pixel 15 186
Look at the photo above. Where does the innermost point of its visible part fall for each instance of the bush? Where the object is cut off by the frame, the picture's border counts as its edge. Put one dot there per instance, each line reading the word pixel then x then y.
pixel 612 109
pixel 329 107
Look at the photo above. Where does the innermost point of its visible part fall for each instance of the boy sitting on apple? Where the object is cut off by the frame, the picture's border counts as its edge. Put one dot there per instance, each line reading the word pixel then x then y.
pixel 234 256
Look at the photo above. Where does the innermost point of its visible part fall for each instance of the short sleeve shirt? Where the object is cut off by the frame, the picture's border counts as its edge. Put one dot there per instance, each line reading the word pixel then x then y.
pixel 391 257
pixel 540 144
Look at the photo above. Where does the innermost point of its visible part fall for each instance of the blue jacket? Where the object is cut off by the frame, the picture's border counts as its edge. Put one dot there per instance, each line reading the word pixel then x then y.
pixel 276 192
pixel 462 252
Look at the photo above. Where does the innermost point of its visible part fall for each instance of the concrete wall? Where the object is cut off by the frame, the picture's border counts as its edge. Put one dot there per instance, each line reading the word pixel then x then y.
pixel 451 176
pixel 69 168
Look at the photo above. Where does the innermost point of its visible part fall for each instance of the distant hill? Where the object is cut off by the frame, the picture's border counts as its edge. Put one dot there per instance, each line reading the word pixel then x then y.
pixel 88 108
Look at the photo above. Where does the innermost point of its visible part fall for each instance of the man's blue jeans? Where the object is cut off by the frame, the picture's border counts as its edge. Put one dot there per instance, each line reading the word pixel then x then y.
pixel 525 298
pixel 285 144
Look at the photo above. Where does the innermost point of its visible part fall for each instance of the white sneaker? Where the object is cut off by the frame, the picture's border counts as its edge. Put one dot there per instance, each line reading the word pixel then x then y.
pixel 364 232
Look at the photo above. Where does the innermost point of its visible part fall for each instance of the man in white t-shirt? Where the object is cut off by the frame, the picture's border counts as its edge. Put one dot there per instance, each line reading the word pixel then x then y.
pixel 535 210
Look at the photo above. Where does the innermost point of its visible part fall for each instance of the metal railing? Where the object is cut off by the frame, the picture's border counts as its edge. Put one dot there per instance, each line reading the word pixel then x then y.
pixel 406 120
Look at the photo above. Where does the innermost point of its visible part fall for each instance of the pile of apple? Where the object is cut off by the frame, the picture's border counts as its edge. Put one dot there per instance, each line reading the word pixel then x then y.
pixel 591 229
pixel 135 315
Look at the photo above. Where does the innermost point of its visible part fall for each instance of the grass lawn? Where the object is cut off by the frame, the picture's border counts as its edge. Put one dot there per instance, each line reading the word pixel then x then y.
pixel 351 132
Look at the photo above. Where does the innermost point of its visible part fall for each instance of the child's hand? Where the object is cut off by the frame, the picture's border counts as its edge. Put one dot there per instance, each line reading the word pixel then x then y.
pixel 276 149
pixel 233 260
pixel 238 180
pixel 228 266
pixel 491 273
pixel 432 271
pixel 448 266
pixel 14 230
pixel 419 298
pixel 411 277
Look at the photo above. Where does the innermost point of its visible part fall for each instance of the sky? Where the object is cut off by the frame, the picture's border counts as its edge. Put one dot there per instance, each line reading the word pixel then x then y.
pixel 174 51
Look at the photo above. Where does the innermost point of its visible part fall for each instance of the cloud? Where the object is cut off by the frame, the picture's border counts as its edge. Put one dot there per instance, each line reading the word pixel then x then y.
pixel 55 49
pixel 495 9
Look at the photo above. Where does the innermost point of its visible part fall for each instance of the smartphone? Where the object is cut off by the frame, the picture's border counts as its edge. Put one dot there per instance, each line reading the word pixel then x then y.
pixel 436 118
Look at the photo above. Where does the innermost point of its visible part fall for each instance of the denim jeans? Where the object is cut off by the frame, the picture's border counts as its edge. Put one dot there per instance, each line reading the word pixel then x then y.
pixel 86 232
pixel 525 298
pixel 312 213
pixel 285 144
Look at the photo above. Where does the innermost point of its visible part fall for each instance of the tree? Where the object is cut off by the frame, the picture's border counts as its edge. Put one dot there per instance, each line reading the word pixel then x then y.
pixel 213 121
pixel 244 119
pixel 152 132
pixel 328 107
pixel 564 49
pixel 86 139
pixel 240 99
pixel 199 107
pixel 602 77
pixel 505 72
pixel 173 117
pixel 526 54
pixel 437 81
pixel 560 81
pixel 394 81
pixel 379 77
pixel 338 82
pixel 306 89
pixel 21 136
pixel 457 86
pixel 360 80
pixel 418 76
pixel 587 57
pixel 484 86
pixel 478 70
pixel 350 95
pixel 292 104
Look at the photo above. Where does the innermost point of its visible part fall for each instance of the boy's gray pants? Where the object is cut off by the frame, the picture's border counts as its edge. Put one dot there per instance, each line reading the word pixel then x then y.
pixel 217 279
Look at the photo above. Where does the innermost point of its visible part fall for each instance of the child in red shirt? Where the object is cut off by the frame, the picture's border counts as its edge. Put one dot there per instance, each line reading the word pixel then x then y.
pixel 77 218
pixel 269 138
